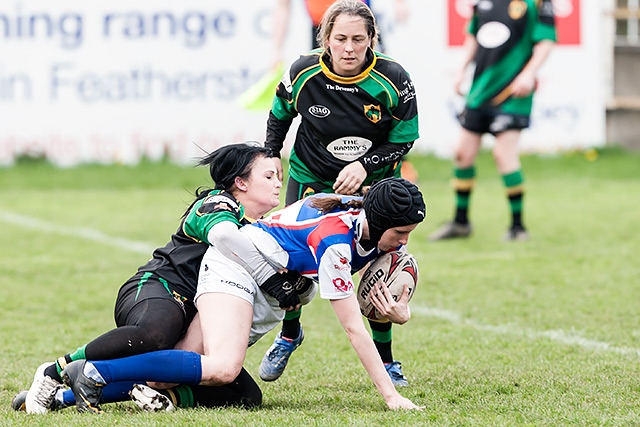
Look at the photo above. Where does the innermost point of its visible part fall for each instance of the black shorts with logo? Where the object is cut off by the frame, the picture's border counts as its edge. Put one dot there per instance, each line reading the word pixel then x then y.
pixel 149 287
pixel 491 120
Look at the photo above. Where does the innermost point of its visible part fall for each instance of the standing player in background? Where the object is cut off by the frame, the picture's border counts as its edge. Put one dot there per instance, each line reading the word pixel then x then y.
pixel 316 9
pixel 359 117
pixel 509 41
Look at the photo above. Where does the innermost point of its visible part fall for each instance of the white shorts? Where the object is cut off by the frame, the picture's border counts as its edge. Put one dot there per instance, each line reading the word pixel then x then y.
pixel 218 274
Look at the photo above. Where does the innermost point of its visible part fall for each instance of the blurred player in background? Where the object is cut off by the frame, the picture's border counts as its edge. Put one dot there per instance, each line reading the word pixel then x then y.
pixel 508 40
pixel 359 117
pixel 155 306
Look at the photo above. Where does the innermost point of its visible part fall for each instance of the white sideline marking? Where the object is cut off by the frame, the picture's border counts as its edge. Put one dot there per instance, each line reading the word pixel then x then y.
pixel 554 335
pixel 450 316
pixel 83 233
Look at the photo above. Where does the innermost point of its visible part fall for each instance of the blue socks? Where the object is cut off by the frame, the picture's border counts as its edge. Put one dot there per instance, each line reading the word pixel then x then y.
pixel 114 392
pixel 168 366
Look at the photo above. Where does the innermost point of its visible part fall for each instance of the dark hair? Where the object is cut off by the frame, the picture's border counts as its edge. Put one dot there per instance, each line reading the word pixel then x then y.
pixel 229 162
pixel 347 7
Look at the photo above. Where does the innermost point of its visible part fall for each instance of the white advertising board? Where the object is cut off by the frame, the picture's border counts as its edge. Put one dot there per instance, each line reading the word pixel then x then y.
pixel 118 81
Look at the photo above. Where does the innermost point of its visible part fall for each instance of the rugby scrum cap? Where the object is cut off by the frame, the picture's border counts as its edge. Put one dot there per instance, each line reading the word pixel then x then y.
pixel 392 202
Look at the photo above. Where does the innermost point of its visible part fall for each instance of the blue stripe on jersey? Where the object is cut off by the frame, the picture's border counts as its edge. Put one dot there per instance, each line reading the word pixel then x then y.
pixel 302 231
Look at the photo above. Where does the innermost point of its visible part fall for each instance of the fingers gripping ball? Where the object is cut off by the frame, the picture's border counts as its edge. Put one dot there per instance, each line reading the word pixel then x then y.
pixel 394 270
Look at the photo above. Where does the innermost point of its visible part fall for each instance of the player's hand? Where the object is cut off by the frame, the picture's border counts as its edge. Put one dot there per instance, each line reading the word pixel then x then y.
pixel 350 178
pixel 458 82
pixel 278 163
pixel 399 402
pixel 523 84
pixel 396 311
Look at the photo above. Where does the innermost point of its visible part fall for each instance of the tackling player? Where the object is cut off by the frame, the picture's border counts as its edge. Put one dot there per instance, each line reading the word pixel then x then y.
pixel 155 307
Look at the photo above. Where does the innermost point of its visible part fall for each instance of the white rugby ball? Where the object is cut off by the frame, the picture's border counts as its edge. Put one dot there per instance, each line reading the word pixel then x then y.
pixel 394 269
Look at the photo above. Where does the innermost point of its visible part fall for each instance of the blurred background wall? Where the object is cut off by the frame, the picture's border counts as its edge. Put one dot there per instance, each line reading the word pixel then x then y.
pixel 117 81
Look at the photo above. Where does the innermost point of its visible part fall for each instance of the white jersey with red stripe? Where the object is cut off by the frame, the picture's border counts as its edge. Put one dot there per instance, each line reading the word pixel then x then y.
pixel 322 246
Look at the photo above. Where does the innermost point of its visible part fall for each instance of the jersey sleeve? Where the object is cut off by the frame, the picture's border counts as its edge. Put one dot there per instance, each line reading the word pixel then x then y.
pixel 283 106
pixel 212 210
pixel 403 106
pixel 331 243
pixel 384 155
pixel 282 112
pixel 472 26
pixel 404 128
pixel 545 26
pixel 334 272
pixel 276 133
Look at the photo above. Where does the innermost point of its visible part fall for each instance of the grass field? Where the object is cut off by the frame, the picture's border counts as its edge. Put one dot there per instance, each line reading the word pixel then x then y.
pixel 541 333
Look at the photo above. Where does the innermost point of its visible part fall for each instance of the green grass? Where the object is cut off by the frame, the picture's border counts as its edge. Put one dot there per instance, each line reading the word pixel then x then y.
pixel 542 333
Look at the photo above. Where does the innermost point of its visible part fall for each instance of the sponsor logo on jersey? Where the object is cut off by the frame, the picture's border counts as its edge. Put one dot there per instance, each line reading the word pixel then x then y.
pixel 319 111
pixel 343 265
pixel 485 5
pixel 493 34
pixel 373 113
pixel 217 203
pixel 407 94
pixel 349 148
pixel 339 88
pixel 517 9
pixel 218 198
pixel 340 285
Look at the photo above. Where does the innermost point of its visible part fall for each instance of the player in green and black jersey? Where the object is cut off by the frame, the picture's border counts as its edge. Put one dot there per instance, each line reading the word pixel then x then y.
pixel 508 41
pixel 369 116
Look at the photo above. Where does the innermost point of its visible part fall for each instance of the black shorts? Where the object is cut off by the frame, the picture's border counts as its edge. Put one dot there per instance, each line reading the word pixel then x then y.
pixel 297 191
pixel 148 287
pixel 491 120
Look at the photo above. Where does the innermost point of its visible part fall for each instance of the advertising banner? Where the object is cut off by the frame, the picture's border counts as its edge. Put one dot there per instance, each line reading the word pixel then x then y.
pixel 119 81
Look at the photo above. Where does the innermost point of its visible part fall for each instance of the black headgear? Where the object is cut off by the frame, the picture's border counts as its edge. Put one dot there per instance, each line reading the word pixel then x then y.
pixel 392 202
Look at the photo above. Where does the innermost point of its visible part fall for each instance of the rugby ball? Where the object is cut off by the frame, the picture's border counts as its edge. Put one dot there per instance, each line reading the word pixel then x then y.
pixel 394 269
